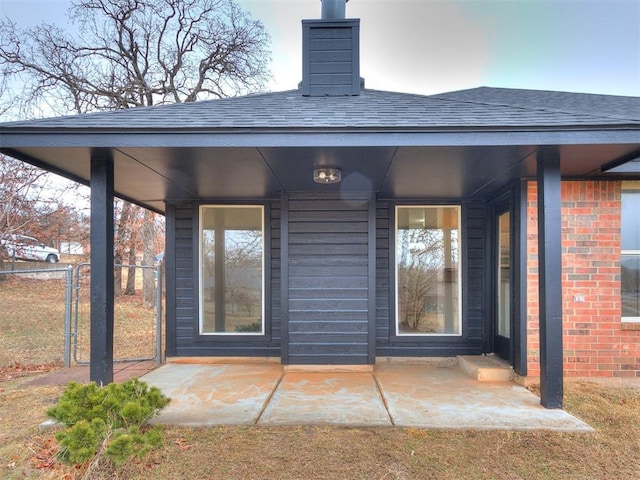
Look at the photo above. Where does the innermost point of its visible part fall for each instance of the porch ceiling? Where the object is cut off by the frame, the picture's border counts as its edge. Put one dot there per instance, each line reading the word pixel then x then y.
pixel 152 175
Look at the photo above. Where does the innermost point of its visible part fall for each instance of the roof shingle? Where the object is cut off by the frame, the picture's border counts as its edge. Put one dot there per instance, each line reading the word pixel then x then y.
pixel 482 107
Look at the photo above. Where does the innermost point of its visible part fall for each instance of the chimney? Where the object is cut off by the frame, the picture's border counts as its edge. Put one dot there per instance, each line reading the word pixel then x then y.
pixel 334 9
pixel 331 53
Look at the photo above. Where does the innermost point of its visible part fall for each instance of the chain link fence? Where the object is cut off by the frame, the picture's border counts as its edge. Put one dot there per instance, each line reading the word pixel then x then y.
pixel 45 314
pixel 33 310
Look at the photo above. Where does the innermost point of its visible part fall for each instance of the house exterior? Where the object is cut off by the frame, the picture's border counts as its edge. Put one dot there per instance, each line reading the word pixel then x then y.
pixel 334 224
pixel 600 258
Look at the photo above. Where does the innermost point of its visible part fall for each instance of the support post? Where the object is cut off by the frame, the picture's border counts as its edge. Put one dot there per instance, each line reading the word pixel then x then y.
pixel 102 277
pixel 159 288
pixel 550 277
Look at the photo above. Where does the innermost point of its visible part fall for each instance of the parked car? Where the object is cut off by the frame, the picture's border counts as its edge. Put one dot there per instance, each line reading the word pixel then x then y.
pixel 29 248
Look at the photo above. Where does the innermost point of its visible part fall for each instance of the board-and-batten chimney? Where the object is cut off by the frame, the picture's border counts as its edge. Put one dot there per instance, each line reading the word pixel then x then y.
pixel 331 53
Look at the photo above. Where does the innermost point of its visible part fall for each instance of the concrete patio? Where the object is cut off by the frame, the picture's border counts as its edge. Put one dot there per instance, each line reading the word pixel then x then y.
pixel 400 395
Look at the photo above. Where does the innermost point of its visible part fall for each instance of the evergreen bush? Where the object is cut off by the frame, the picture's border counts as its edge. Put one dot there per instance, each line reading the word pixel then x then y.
pixel 107 420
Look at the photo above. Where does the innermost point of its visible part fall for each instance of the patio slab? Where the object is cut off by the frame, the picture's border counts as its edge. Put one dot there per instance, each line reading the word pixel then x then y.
pixel 431 397
pixel 332 398
pixel 418 396
pixel 214 394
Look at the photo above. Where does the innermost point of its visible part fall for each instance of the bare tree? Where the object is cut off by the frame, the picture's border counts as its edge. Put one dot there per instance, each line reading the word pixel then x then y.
pixel 148 284
pixel 135 53
pixel 32 203
pixel 122 245
pixel 420 265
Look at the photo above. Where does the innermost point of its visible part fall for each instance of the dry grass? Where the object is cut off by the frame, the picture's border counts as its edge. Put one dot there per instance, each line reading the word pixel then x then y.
pixel 612 452
pixel 31 320
pixel 32 323
pixel 32 334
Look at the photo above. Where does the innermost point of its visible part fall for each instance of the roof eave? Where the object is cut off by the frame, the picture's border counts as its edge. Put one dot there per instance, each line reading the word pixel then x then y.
pixel 17 138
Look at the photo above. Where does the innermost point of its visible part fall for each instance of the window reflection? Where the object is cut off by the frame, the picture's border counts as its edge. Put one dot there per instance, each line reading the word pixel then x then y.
pixel 428 270
pixel 231 270
pixel 630 259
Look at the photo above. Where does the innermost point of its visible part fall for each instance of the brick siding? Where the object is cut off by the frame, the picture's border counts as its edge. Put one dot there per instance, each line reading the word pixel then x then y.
pixel 596 342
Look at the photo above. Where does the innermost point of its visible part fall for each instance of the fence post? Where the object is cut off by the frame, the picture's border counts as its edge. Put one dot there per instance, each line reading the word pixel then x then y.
pixel 67 317
pixel 159 315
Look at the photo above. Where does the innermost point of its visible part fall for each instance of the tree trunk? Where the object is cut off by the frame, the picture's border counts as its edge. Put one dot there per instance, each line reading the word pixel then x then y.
pixel 148 238
pixel 120 246
pixel 131 271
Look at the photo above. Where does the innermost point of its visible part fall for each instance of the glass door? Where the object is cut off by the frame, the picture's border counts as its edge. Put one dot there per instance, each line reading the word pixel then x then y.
pixel 503 262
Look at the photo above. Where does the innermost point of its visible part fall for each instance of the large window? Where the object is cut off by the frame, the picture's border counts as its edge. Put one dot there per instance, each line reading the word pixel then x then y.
pixel 231 270
pixel 428 270
pixel 630 261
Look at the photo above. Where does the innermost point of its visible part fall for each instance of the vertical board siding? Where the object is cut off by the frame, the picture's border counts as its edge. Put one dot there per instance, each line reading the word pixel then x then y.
pixel 473 255
pixel 188 342
pixel 328 279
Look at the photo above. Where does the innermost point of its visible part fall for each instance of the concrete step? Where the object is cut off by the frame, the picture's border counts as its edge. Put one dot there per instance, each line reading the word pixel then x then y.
pixel 485 368
pixel 328 368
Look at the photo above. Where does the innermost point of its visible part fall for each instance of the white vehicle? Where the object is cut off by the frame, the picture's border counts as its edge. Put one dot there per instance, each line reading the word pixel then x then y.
pixel 29 248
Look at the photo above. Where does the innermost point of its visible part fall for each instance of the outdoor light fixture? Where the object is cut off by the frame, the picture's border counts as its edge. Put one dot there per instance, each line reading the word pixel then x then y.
pixel 327 175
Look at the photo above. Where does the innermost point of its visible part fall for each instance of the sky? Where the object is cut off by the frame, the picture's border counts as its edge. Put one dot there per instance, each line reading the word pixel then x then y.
pixel 433 46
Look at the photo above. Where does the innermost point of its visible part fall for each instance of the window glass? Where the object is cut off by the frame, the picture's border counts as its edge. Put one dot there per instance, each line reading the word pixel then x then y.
pixel 231 270
pixel 428 270
pixel 504 275
pixel 630 260
pixel 631 286
pixel 630 220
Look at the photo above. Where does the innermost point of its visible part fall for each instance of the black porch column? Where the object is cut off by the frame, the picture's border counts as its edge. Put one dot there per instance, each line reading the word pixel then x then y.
pixel 550 278
pixel 101 357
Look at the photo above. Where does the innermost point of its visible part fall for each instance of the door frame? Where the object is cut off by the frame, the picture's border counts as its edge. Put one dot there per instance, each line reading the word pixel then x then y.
pixel 503 346
pixel 514 198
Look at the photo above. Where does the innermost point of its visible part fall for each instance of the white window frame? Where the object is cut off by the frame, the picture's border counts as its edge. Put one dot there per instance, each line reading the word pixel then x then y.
pixel 262 332
pixel 459 273
pixel 629 253
pixel 631 187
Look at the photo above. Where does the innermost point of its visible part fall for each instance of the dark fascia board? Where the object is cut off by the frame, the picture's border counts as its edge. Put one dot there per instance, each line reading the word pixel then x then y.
pixel 619 162
pixel 15 138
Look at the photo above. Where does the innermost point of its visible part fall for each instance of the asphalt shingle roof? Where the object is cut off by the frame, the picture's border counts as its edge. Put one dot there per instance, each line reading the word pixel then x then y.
pixel 609 106
pixel 482 107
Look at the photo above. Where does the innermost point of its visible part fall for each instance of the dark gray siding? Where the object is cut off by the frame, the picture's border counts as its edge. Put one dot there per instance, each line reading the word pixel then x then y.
pixel 328 271
pixel 473 253
pixel 330 63
pixel 182 311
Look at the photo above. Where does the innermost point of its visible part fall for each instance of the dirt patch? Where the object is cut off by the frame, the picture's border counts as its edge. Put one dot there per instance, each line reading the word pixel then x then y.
pixel 17 370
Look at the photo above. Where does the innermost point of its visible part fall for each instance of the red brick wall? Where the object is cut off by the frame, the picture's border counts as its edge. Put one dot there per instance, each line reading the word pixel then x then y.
pixel 596 342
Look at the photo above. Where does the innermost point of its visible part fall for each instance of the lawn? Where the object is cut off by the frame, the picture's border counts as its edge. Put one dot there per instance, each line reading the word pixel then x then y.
pixel 32 317
pixel 612 452
pixel 31 335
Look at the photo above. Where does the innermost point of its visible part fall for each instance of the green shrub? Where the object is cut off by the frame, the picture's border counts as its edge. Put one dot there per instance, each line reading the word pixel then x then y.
pixel 79 442
pixel 107 420
pixel 133 443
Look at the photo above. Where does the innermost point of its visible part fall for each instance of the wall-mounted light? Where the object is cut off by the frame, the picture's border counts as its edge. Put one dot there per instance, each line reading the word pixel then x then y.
pixel 327 175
